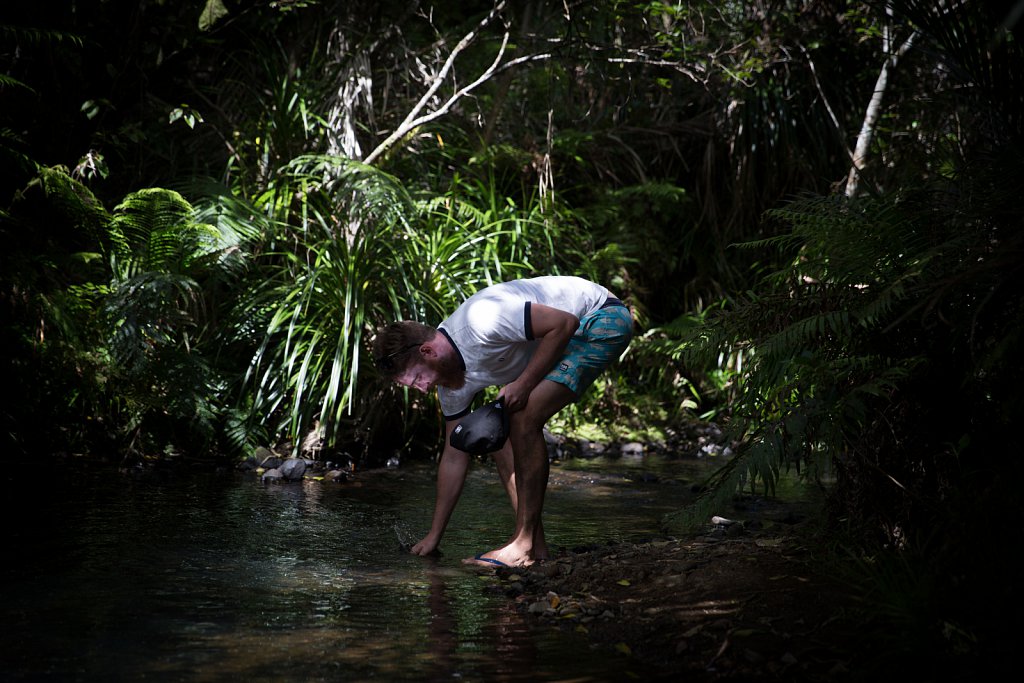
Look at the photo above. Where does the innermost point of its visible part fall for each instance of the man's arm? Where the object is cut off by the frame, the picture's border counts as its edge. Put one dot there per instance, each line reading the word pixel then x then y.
pixel 553 328
pixel 451 475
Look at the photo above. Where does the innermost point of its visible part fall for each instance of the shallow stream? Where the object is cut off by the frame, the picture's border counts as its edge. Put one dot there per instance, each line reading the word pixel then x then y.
pixel 162 576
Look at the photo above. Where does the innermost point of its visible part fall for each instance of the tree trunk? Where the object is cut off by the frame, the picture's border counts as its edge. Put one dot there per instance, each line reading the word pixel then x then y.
pixel 874 110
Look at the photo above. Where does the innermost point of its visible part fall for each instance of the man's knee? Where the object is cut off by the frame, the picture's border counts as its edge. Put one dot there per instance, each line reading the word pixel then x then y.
pixel 545 400
pixel 527 420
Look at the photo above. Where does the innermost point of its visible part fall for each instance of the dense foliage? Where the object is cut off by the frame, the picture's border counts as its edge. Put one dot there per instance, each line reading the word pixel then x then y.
pixel 207 208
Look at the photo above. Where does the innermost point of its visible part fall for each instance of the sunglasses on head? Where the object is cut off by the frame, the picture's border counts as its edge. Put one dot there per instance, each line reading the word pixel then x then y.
pixel 387 363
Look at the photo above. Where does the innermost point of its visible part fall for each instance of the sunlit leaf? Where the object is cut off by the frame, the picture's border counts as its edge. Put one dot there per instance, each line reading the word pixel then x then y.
pixel 213 12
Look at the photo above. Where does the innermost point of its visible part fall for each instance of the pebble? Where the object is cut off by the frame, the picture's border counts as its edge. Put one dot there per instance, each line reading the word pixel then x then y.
pixel 539 607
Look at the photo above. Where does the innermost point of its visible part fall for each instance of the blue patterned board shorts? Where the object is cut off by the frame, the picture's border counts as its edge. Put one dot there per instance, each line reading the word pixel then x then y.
pixel 600 340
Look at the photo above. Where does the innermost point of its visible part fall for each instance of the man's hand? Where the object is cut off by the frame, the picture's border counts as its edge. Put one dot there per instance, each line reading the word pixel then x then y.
pixel 427 546
pixel 516 396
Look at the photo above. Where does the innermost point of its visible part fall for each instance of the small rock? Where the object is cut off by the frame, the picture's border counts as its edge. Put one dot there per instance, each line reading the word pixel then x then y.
pixel 547 570
pixel 270 462
pixel 539 607
pixel 632 449
pixel 293 469
pixel 248 465
pixel 336 475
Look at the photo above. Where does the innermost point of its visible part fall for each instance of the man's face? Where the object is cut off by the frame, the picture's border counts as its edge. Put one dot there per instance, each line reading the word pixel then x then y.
pixel 420 375
pixel 427 371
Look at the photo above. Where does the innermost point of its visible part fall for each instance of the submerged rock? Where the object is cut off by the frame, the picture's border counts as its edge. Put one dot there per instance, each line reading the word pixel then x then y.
pixel 335 475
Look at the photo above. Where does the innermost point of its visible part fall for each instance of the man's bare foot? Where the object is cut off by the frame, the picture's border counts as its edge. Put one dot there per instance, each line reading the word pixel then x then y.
pixel 508 556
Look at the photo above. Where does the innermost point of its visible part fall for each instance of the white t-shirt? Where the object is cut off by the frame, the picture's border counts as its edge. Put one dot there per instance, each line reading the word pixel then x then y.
pixel 491 330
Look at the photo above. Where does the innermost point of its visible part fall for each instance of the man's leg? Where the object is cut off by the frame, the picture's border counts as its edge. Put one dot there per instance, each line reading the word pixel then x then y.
pixel 530 479
pixel 603 336
pixel 506 472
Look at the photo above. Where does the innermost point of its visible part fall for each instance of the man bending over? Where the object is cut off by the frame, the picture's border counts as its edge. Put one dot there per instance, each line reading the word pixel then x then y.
pixel 544 341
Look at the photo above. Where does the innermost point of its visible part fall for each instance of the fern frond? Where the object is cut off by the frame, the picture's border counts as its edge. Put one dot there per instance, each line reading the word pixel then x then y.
pixel 7 81
pixel 37 36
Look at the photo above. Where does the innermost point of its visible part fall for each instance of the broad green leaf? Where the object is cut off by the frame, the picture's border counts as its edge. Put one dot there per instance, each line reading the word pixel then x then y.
pixel 211 14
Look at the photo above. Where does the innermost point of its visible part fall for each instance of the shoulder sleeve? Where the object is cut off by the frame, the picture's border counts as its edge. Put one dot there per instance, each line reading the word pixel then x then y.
pixel 494 320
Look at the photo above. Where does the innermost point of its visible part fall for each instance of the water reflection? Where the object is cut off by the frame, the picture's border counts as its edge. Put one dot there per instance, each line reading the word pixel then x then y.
pixel 219 578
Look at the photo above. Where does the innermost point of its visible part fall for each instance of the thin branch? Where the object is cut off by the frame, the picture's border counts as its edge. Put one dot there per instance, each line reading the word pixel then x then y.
pixel 412 120
pixel 641 59
pixel 824 99
pixel 536 57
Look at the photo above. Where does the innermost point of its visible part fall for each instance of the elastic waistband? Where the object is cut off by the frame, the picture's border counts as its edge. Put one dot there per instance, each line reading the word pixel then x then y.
pixel 612 301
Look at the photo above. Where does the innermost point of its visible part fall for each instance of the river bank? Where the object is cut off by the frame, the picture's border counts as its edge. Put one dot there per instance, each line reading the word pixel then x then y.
pixel 733 604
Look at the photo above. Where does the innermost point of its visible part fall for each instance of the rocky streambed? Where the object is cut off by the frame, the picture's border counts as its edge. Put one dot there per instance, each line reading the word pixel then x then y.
pixel 737 603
